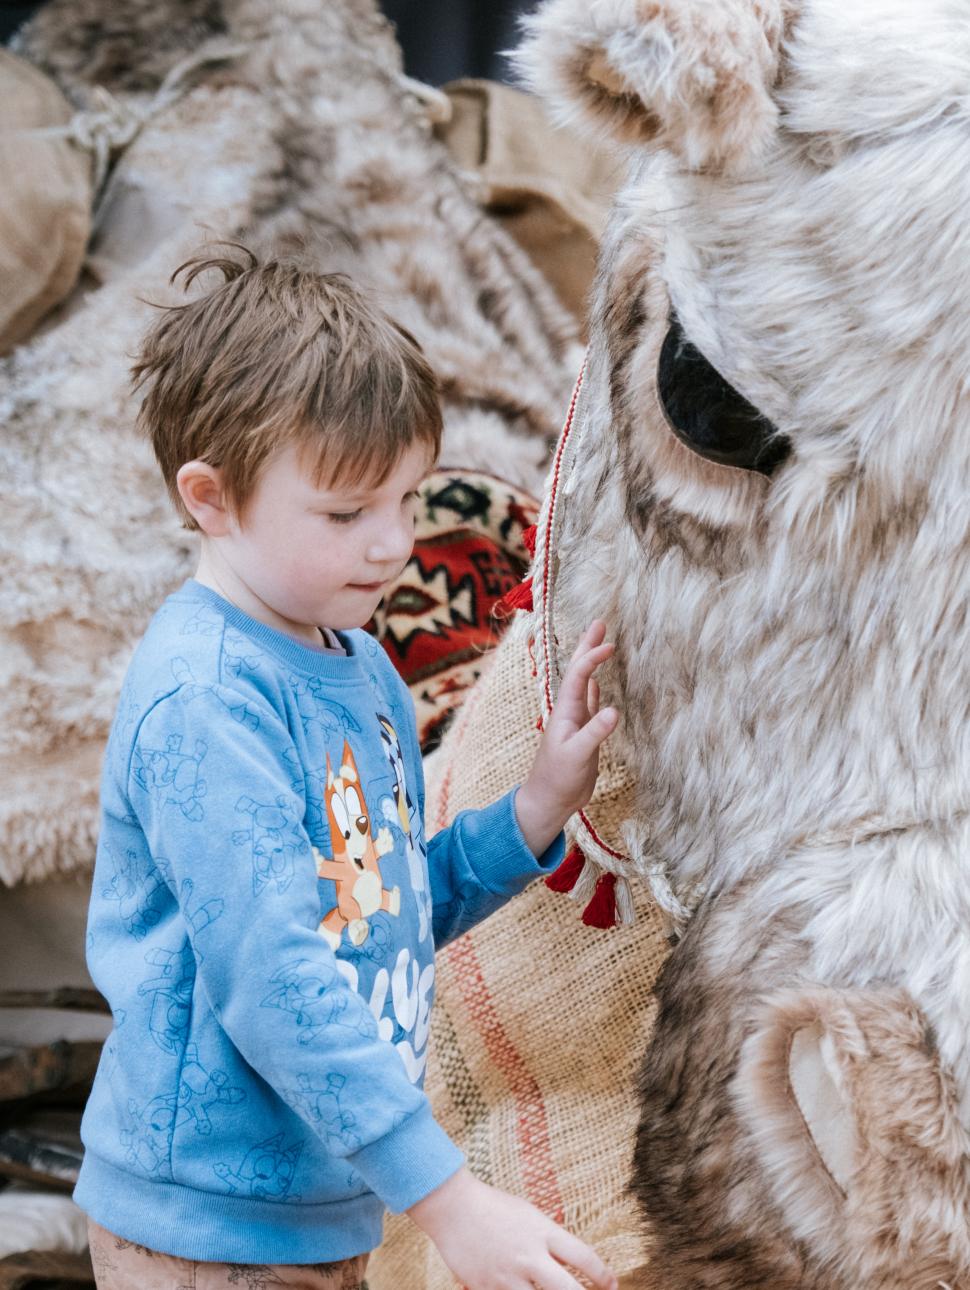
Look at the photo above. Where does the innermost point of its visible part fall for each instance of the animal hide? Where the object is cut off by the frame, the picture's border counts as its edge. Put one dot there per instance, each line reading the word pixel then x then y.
pixel 771 513
pixel 287 124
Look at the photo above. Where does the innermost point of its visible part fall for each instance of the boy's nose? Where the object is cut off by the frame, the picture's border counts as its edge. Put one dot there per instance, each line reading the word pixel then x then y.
pixel 393 546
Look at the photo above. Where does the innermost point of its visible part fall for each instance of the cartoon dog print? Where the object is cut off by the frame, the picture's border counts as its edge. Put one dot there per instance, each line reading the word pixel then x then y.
pixel 146 1143
pixel 354 868
pixel 170 990
pixel 172 776
pixel 267 1170
pixel 406 815
pixel 139 887
pixel 305 989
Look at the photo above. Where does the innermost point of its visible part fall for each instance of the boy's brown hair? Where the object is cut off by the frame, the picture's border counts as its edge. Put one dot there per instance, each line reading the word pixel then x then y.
pixel 278 354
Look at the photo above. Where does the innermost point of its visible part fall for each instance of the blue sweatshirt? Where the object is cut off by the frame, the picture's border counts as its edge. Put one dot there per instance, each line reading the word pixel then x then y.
pixel 263 924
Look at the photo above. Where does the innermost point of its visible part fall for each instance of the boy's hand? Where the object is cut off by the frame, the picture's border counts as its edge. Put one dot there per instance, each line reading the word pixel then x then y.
pixel 493 1241
pixel 563 774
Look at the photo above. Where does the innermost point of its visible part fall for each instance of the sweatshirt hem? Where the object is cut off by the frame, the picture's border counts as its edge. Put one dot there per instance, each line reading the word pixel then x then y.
pixel 190 1224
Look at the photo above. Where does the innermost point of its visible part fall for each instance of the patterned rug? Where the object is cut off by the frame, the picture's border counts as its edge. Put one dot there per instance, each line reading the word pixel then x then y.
pixel 437 622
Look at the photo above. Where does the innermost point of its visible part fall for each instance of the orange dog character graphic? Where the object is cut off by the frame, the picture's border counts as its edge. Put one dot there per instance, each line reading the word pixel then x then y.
pixel 354 868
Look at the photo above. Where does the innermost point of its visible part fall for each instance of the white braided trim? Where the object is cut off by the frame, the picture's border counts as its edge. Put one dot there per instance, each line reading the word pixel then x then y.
pixel 625 913
pixel 598 859
pixel 590 874
pixel 678 910
pixel 585 886
pixel 547 528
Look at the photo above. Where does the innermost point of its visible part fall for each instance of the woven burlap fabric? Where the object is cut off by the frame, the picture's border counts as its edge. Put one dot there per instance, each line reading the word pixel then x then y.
pixel 539 1022
pixel 549 188
pixel 45 200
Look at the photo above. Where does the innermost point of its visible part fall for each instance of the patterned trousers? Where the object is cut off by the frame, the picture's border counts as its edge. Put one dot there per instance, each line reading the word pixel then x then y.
pixel 120 1265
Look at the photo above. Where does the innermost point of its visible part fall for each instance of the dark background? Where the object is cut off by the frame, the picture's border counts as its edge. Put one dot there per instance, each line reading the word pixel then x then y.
pixel 442 39
pixel 12 15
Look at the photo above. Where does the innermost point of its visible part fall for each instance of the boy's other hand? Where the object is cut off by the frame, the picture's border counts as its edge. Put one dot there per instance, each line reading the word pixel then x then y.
pixel 563 774
pixel 493 1241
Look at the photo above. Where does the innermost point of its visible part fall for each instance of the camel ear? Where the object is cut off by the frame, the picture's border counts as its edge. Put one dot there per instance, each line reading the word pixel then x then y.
pixel 692 76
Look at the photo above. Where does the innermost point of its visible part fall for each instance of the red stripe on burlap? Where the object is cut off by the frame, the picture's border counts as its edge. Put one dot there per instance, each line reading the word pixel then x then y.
pixel 531 1125
pixel 532 1128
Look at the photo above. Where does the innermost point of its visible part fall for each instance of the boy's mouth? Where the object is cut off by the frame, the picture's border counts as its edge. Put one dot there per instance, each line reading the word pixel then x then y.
pixel 366 586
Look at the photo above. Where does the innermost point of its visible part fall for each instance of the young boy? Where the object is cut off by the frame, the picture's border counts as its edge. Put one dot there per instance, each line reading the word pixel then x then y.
pixel 265 910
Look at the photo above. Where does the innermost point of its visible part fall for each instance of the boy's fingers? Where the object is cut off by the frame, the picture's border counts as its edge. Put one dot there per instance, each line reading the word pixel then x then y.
pixel 573 703
pixel 577 674
pixel 586 741
pixel 553 1277
pixel 593 634
pixel 593 696
pixel 570 1249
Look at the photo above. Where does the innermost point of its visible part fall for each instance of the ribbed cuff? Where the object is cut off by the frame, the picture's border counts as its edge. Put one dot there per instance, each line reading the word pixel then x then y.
pixel 498 850
pixel 408 1163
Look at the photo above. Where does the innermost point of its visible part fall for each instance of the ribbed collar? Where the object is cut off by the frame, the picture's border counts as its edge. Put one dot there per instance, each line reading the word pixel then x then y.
pixel 302 658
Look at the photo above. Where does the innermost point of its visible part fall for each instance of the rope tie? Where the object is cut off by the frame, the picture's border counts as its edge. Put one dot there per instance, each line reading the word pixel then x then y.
pixel 661 887
pixel 110 124
pixel 436 104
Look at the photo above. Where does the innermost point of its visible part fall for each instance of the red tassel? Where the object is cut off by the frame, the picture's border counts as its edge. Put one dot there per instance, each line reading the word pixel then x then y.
pixel 601 910
pixel 529 538
pixel 566 876
pixel 519 597
pixel 540 724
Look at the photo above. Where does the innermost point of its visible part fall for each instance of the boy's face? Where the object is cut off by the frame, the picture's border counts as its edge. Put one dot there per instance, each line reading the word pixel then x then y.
pixel 323 557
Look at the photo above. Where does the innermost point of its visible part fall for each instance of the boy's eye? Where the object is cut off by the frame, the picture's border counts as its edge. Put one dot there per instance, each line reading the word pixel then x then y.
pixel 343 517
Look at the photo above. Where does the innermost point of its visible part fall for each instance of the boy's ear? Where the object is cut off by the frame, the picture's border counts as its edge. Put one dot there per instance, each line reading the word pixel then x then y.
pixel 201 490
pixel 693 76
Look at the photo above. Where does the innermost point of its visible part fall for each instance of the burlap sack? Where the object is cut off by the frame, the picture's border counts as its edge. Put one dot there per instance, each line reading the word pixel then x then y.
pixel 551 190
pixel 45 200
pixel 539 1022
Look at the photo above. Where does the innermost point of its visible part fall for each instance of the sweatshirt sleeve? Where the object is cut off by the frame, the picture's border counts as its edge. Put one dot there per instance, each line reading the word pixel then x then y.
pixel 211 784
pixel 480 861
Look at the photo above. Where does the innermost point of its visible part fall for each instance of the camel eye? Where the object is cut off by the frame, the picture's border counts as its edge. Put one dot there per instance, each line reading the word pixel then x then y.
pixel 709 415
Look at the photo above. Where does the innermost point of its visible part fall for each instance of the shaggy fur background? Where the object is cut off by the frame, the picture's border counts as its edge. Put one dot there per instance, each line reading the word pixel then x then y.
pixel 302 134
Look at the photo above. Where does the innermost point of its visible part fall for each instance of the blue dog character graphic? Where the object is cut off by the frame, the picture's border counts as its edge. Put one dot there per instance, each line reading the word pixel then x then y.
pixel 139 887
pixel 172 995
pixel 172 776
pixel 267 1170
pixel 315 996
pixel 322 1106
pixel 273 839
pixel 199 1090
pixel 405 814
pixel 147 1142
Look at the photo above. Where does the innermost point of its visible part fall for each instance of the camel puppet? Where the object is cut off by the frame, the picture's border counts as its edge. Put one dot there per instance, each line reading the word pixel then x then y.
pixel 769 506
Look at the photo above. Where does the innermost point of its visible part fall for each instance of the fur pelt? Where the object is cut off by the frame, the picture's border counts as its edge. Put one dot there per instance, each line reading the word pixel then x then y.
pixel 791 658
pixel 299 135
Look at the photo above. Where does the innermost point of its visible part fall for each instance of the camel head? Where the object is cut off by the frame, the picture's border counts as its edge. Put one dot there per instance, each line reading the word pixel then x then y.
pixel 769 506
